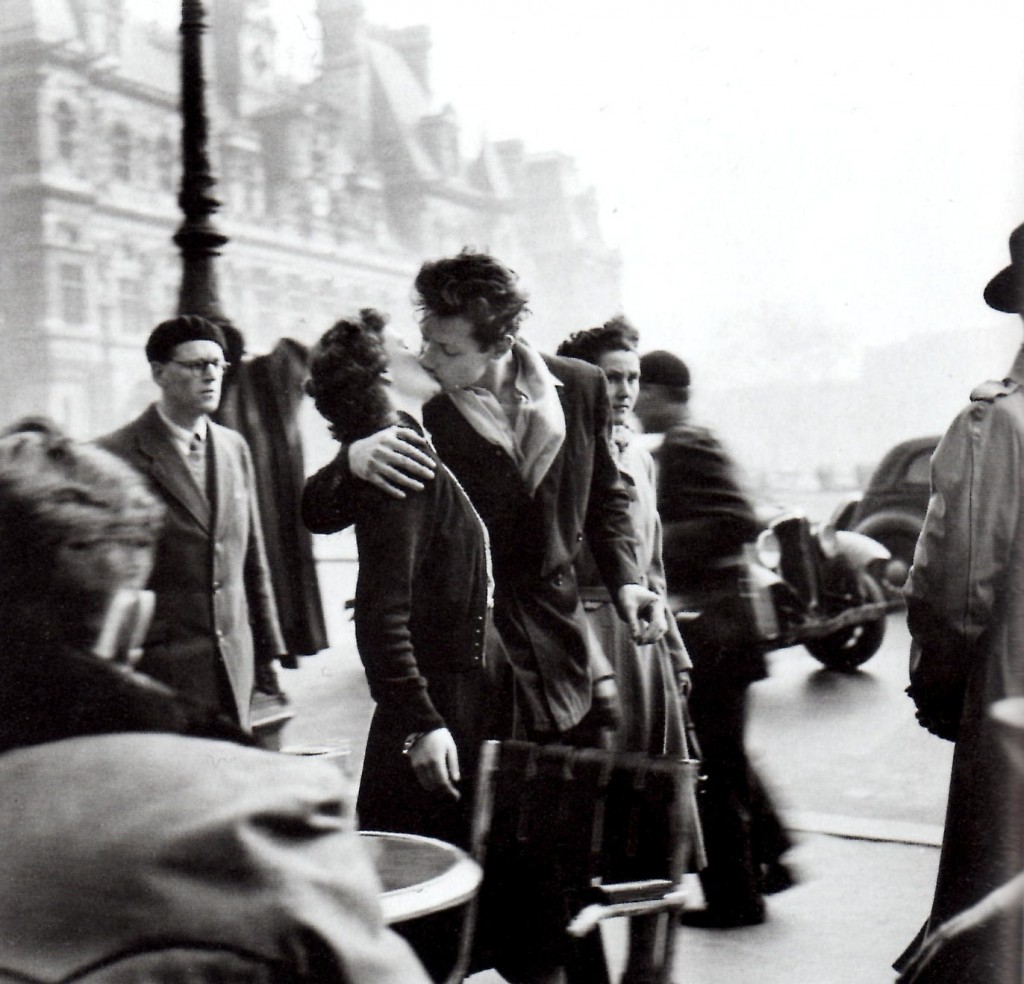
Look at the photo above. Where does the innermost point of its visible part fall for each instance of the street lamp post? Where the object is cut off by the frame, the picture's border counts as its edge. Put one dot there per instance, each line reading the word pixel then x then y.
pixel 198 239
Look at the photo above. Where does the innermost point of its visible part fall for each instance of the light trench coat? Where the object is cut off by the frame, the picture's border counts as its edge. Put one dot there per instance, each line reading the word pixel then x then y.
pixel 965 595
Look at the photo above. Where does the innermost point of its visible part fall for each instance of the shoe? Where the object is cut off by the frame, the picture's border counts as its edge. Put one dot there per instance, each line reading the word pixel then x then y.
pixel 776 877
pixel 721 918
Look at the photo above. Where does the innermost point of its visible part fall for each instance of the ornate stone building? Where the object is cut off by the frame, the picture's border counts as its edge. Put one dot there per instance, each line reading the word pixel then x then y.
pixel 333 191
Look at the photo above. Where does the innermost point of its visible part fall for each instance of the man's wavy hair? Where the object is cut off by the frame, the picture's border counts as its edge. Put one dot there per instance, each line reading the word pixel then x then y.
pixel 346 373
pixel 55 492
pixel 474 286
pixel 589 344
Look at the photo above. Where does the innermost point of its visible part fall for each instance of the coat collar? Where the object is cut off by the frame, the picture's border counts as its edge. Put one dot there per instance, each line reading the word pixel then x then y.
pixel 167 469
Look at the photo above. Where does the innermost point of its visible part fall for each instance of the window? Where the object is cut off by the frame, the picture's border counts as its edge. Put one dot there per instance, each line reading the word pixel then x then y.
pixel 121 149
pixel 919 469
pixel 165 164
pixel 72 294
pixel 133 316
pixel 67 127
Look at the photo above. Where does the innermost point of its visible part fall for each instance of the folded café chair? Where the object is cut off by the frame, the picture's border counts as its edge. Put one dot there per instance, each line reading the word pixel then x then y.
pixel 569 837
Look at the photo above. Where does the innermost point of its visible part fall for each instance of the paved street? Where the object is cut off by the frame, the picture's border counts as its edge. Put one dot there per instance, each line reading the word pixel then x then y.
pixel 861 784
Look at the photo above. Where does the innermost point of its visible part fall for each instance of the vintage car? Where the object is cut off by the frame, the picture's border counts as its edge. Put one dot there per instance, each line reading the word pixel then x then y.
pixel 805 583
pixel 891 509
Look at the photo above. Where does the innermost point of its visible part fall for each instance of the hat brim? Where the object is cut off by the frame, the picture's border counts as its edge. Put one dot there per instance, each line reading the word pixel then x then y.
pixel 1004 291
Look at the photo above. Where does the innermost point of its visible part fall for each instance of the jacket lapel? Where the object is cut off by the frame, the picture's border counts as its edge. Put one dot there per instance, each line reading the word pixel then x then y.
pixel 167 469
pixel 224 477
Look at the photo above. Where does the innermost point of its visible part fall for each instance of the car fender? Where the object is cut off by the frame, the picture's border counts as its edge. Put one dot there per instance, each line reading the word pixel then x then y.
pixel 844 510
pixel 860 549
pixel 891 521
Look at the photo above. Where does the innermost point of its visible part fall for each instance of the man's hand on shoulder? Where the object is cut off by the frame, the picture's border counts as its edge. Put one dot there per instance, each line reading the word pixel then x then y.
pixel 393 459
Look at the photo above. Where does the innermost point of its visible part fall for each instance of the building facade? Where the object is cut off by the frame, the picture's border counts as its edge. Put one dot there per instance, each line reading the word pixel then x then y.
pixel 332 192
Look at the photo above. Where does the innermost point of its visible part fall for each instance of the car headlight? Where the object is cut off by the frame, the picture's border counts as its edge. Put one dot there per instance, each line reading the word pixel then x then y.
pixel 828 540
pixel 768 549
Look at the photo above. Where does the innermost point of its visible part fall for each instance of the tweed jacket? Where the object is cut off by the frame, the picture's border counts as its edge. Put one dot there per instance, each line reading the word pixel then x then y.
pixel 214 600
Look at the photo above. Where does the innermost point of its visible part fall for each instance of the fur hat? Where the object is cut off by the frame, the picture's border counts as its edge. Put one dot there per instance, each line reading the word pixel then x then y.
pixel 1005 291
pixel 168 335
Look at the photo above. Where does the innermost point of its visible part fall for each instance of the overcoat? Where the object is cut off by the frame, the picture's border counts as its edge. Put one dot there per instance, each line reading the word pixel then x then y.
pixel 214 600
pixel 164 858
pixel 262 403
pixel 965 601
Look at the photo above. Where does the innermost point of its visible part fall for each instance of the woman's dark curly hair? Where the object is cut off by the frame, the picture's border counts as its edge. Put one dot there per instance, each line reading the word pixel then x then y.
pixel 346 377
pixel 474 286
pixel 616 335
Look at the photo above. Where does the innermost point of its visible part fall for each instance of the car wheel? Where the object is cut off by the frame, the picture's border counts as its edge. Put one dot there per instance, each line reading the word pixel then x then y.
pixel 853 646
pixel 901 545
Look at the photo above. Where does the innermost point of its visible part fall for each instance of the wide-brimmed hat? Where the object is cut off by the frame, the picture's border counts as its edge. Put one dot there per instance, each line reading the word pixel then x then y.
pixel 1005 291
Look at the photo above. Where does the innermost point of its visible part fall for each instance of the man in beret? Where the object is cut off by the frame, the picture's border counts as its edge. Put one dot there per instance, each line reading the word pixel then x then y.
pixel 965 609
pixel 215 631
pixel 706 520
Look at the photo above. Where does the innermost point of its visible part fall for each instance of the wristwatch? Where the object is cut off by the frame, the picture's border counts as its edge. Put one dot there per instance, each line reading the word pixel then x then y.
pixel 410 741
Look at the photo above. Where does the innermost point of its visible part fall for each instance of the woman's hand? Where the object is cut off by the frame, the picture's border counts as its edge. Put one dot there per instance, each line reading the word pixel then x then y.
pixel 435 760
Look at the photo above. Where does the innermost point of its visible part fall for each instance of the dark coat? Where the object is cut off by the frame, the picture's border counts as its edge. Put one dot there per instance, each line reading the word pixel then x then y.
pixel 534 539
pixel 706 516
pixel 965 606
pixel 214 601
pixel 262 404
pixel 65 693
pixel 420 614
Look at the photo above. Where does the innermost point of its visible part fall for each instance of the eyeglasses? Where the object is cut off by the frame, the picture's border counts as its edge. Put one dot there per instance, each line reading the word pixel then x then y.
pixel 199 366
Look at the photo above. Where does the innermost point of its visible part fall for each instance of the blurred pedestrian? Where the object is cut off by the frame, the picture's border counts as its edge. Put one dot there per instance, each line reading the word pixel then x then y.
pixel 652 680
pixel 215 632
pixel 142 839
pixel 707 520
pixel 965 609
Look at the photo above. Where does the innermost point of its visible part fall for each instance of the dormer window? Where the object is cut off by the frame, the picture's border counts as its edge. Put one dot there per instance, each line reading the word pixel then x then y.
pixel 165 164
pixel 67 132
pixel 121 150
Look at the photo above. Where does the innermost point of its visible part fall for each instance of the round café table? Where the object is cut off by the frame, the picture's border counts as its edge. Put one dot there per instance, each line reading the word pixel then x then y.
pixel 420 875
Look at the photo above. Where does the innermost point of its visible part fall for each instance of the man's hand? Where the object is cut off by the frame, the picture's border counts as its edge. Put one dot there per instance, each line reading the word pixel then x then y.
pixel 435 760
pixel 644 611
pixel 392 460
pixel 684 685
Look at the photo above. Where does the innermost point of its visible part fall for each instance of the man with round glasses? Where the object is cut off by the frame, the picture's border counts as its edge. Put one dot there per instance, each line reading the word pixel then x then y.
pixel 215 631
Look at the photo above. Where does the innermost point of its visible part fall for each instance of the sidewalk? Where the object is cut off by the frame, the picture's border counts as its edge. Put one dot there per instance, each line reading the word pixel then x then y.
pixel 865 886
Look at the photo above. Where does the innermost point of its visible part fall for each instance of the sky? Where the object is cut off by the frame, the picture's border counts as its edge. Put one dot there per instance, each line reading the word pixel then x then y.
pixel 787 182
pixel 794 180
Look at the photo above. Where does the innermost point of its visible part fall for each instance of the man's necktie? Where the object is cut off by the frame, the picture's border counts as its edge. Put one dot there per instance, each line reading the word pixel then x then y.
pixel 197 461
